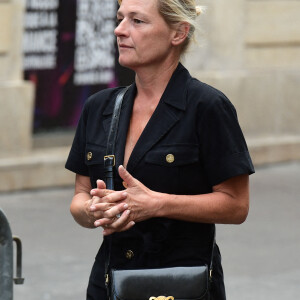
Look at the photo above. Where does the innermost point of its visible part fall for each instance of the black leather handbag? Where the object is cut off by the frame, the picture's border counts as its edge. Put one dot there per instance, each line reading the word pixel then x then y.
pixel 176 283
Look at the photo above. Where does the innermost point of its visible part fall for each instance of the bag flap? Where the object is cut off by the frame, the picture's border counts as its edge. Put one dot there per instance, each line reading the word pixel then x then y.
pixel 182 283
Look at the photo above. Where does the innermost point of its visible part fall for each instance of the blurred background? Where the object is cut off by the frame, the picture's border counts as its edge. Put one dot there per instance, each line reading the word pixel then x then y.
pixel 54 54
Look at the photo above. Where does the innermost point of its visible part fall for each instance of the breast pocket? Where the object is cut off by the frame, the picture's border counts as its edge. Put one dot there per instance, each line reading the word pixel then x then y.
pixel 94 157
pixel 172 165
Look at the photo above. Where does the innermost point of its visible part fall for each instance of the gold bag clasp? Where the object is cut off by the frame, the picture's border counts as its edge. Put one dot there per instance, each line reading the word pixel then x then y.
pixel 162 298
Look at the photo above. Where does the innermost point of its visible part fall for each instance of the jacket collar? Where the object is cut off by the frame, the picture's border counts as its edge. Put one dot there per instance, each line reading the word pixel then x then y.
pixel 175 92
pixel 128 97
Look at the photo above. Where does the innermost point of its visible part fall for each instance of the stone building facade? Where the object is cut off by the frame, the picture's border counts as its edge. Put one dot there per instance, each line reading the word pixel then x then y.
pixel 249 49
pixel 251 52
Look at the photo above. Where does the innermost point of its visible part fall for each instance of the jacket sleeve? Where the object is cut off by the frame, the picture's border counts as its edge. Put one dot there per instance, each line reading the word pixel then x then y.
pixel 76 158
pixel 223 147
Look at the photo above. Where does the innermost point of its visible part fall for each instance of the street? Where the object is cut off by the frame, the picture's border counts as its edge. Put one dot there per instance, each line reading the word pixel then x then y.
pixel 260 257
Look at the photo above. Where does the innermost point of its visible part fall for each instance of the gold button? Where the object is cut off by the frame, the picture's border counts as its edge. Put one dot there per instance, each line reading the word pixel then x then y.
pixel 170 158
pixel 129 254
pixel 89 155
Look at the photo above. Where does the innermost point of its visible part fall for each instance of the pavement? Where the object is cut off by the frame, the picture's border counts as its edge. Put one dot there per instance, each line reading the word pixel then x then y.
pixel 260 257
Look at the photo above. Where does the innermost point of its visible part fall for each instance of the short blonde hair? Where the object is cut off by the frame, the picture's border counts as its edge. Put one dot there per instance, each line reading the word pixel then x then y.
pixel 176 11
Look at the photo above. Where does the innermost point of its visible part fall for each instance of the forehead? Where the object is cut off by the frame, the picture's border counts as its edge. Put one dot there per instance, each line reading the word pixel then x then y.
pixel 138 6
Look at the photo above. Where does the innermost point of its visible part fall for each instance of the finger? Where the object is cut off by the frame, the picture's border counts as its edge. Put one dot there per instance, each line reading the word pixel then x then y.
pixel 101 192
pixel 113 222
pixel 119 225
pixel 101 207
pixel 128 226
pixel 129 180
pixel 101 184
pixel 115 210
pixel 109 230
pixel 104 222
pixel 95 200
pixel 115 197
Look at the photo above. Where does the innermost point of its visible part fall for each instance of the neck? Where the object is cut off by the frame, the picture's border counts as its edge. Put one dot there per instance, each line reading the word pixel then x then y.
pixel 153 81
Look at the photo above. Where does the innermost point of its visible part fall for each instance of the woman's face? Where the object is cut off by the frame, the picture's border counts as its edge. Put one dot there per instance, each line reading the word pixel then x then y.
pixel 144 38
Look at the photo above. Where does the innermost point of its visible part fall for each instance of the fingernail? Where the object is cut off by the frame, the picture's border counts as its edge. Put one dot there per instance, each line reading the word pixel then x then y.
pixel 97 223
pixel 125 205
pixel 92 192
pixel 128 212
pixel 92 208
pixel 132 223
pixel 124 194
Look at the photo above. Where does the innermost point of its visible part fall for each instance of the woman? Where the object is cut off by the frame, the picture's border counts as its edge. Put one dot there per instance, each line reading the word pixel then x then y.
pixel 186 163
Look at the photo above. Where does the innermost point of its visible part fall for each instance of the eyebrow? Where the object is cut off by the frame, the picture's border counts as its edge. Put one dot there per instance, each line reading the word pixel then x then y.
pixel 131 14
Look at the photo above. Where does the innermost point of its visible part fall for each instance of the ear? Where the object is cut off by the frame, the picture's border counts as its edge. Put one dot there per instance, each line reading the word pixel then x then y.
pixel 181 33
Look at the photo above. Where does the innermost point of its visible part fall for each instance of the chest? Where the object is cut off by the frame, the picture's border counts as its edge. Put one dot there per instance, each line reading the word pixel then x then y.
pixel 138 121
pixel 166 157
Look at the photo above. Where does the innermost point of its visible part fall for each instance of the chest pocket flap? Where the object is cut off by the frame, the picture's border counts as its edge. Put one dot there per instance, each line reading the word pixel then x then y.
pixel 173 155
pixel 94 159
pixel 94 154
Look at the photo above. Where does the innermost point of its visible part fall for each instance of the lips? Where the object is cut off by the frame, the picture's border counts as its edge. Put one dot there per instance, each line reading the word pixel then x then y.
pixel 124 46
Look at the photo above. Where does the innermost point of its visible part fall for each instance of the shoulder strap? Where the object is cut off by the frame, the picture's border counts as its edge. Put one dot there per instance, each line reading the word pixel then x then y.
pixel 109 158
pixel 212 254
pixel 109 163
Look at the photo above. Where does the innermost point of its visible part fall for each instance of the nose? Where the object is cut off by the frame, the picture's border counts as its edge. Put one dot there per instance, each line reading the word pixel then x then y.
pixel 121 29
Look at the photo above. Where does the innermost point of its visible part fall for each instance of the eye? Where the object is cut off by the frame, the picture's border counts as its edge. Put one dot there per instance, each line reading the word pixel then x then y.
pixel 137 21
pixel 119 20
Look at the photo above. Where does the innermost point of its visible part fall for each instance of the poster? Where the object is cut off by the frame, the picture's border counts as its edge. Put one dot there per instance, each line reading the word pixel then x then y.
pixel 69 53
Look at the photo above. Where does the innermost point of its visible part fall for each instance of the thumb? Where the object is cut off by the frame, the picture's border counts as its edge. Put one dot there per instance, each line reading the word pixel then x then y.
pixel 101 184
pixel 129 180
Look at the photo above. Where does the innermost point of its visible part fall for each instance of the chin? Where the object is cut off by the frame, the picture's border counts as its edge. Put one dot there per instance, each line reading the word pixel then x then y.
pixel 127 64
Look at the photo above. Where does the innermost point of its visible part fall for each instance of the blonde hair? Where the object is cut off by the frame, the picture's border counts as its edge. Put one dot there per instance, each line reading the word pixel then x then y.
pixel 176 11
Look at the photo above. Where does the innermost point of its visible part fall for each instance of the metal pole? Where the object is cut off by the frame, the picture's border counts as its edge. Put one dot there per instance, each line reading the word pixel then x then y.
pixel 6 259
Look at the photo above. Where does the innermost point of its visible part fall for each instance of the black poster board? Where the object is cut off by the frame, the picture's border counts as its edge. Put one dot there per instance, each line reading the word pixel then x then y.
pixel 69 53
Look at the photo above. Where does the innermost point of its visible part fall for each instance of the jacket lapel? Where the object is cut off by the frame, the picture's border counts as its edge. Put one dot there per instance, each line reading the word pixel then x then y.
pixel 158 126
pixel 168 112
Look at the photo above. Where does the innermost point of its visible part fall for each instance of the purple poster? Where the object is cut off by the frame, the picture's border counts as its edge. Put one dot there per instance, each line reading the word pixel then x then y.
pixel 69 53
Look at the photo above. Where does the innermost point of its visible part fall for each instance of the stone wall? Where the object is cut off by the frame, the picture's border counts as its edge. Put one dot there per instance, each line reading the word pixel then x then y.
pixel 16 95
pixel 251 51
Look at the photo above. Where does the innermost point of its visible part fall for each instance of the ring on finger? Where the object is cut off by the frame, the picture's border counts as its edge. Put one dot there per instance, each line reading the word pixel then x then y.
pixel 118 216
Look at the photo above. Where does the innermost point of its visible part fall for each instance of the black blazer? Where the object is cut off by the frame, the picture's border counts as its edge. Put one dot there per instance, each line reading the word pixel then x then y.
pixel 192 142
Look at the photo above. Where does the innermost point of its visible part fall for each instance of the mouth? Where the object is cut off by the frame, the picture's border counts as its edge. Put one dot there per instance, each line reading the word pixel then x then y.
pixel 123 46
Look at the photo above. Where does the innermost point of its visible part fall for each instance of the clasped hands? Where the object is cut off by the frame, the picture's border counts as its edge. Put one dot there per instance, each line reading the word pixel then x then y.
pixel 117 211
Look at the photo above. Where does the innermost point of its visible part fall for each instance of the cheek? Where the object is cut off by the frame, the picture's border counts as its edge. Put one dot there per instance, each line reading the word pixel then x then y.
pixel 156 41
pixel 162 39
pixel 160 46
